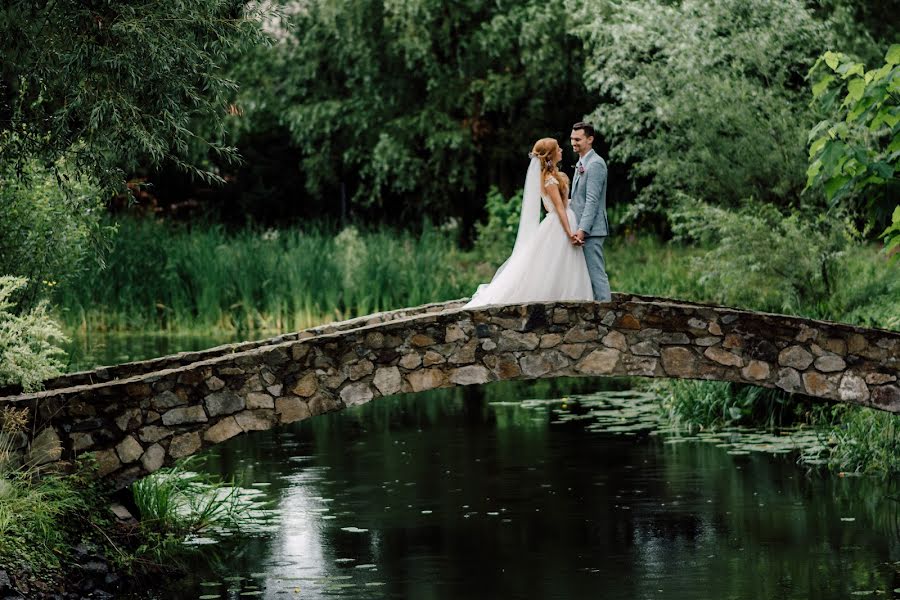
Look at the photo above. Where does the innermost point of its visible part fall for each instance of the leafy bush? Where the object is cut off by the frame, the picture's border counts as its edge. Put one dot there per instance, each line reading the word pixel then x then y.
pixel 28 354
pixel 496 237
pixel 854 153
pixel 50 224
pixel 761 258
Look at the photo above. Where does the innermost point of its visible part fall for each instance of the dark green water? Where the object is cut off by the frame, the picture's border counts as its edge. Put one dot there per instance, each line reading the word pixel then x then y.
pixel 473 493
pixel 92 350
pixel 550 489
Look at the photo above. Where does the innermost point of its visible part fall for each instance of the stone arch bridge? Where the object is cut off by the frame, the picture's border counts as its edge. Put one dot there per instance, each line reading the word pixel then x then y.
pixel 138 417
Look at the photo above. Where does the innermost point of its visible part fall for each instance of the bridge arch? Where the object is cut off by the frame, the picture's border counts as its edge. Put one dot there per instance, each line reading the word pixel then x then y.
pixel 137 424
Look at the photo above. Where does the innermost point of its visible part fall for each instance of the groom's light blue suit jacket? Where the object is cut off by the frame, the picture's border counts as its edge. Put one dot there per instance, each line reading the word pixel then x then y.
pixel 589 196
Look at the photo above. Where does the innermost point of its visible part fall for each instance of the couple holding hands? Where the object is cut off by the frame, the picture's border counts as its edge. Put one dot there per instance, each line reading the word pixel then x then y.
pixel 561 257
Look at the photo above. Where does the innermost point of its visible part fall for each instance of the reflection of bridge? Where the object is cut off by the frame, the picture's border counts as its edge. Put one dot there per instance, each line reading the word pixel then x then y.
pixel 140 416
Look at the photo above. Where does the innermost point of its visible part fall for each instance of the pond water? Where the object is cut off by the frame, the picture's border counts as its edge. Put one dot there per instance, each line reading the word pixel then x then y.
pixel 86 351
pixel 553 489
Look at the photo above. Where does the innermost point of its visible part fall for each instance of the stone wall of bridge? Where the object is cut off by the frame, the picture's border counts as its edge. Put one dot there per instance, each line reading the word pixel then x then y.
pixel 136 425
pixel 181 359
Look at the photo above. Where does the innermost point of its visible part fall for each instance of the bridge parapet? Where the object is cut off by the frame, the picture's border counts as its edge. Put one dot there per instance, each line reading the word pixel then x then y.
pixel 137 425
pixel 181 359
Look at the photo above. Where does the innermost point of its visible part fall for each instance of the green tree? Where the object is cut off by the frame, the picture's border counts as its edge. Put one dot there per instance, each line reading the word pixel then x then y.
pixel 413 108
pixel 114 85
pixel 861 27
pixel 705 98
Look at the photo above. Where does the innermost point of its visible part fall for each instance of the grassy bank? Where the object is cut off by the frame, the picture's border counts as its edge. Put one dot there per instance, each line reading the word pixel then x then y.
pixel 51 521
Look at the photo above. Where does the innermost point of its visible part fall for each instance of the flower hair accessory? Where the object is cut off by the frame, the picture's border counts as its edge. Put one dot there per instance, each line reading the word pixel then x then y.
pixel 531 155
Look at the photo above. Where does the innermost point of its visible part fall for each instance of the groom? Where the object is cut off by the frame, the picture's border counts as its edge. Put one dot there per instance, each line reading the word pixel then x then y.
pixel 589 205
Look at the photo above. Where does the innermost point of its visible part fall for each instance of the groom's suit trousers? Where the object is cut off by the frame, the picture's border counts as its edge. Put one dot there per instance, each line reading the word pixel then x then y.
pixel 596 264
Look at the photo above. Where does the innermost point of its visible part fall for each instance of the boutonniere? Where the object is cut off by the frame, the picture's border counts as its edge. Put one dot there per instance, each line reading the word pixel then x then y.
pixel 581 169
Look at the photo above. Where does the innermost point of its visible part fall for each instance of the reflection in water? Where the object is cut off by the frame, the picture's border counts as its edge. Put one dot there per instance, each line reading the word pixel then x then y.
pixel 473 493
pixel 92 350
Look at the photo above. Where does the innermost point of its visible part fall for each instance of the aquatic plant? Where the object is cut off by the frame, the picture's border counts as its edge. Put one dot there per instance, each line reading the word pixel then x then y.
pixel 180 502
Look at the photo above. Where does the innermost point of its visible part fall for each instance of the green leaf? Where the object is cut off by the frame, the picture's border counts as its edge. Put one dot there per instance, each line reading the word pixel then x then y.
pixel 855 90
pixel 816 131
pixel 894 146
pixel 834 154
pixel 893 55
pixel 819 88
pixel 812 173
pixel 850 69
pixel 832 59
pixel 894 242
pixel 886 116
pixel 883 169
pixel 839 131
pixel 878 74
pixel 834 186
pixel 817 146
pixel 872 179
pixel 857 111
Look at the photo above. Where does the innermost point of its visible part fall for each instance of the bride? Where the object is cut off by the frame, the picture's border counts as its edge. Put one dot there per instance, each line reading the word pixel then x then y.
pixel 544 265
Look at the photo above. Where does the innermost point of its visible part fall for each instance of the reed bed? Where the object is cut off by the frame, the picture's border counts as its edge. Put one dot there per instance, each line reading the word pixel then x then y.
pixel 170 278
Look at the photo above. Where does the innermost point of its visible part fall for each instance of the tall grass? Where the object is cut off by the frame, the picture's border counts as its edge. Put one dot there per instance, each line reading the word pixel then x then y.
pixel 176 503
pixel 646 265
pixel 866 290
pixel 165 277
pixel 39 516
pixel 863 440
pixel 694 405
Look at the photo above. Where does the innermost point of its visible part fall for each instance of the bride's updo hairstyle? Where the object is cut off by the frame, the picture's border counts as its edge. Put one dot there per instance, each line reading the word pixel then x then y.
pixel 544 150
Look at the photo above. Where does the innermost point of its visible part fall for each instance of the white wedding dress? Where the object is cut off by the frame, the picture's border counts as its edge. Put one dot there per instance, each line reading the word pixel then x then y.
pixel 544 265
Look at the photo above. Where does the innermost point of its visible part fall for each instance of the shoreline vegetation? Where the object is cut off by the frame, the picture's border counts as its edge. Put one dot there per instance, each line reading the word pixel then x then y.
pixel 159 277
